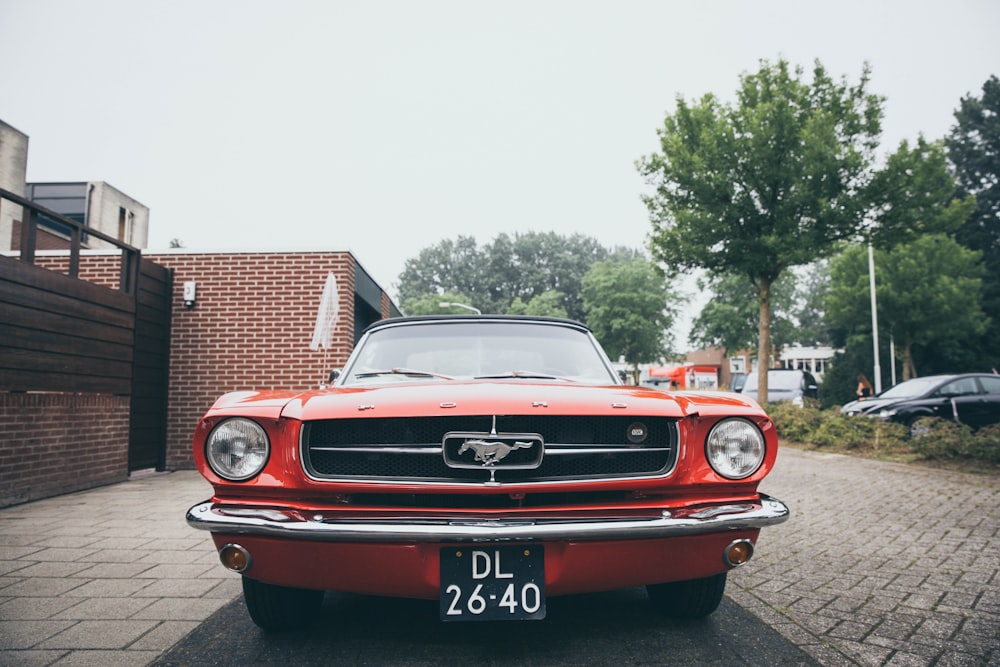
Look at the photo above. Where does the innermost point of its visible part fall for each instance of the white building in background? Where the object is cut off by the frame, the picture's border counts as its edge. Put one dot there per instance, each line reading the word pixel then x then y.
pixel 95 204
pixel 812 359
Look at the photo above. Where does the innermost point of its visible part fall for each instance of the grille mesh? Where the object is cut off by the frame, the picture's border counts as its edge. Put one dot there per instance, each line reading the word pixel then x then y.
pixel 367 449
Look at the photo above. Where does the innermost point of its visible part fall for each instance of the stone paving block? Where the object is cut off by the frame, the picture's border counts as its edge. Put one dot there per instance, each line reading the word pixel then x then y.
pixel 51 569
pixel 107 658
pixel 31 658
pixel 28 633
pixel 32 608
pixel 103 609
pixel 61 554
pixel 174 588
pixel 112 556
pixel 227 588
pixel 121 542
pixel 158 556
pixel 178 571
pixel 181 609
pixel 6 582
pixel 66 541
pixel 11 552
pixel 180 544
pixel 42 587
pixel 108 588
pixel 75 528
pixel 99 634
pixel 923 600
pixel 164 635
pixel 112 570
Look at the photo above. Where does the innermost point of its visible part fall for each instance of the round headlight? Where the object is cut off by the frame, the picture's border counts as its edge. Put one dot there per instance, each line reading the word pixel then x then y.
pixel 735 448
pixel 237 449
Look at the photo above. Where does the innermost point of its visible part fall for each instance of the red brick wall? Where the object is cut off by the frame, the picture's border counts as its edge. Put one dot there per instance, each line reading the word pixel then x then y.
pixel 250 329
pixel 52 444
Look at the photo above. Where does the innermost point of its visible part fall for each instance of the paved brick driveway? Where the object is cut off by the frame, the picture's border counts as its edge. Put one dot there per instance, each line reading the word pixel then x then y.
pixel 880 563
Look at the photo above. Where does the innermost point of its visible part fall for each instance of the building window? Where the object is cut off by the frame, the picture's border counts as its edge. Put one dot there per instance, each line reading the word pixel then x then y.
pixel 738 364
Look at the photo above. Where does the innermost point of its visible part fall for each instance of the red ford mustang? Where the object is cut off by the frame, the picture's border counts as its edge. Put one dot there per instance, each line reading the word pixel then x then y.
pixel 487 462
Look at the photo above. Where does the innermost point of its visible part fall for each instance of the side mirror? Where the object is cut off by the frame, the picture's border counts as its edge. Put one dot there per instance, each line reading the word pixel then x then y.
pixel 334 374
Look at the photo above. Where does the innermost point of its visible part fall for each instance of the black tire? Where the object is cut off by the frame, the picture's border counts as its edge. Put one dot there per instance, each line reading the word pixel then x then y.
pixel 278 608
pixel 918 426
pixel 695 598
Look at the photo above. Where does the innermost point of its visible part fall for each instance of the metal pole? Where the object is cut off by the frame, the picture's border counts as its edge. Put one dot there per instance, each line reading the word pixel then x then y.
pixel 871 288
pixel 892 357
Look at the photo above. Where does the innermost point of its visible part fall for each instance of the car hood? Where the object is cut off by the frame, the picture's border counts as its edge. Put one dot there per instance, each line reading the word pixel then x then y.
pixel 873 404
pixel 479 397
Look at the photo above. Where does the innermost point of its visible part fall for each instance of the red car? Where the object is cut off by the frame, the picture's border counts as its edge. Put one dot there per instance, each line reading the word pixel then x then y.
pixel 487 462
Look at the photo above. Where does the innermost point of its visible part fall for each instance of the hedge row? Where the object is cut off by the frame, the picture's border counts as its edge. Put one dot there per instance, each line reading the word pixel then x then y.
pixel 832 431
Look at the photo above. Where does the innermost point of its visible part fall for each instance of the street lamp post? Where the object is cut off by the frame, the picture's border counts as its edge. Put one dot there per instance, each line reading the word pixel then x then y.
pixel 452 304
pixel 871 288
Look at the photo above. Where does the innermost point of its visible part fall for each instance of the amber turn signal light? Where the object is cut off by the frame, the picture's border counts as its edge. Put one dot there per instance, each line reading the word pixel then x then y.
pixel 235 557
pixel 737 553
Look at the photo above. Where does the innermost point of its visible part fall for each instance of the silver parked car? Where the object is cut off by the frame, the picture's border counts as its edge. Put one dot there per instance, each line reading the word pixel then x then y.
pixel 784 384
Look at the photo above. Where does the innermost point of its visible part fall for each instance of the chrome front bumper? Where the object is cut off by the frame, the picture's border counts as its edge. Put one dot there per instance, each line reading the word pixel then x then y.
pixel 294 524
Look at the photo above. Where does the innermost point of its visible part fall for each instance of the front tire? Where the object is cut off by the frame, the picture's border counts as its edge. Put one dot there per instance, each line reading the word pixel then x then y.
pixel 695 598
pixel 918 426
pixel 278 608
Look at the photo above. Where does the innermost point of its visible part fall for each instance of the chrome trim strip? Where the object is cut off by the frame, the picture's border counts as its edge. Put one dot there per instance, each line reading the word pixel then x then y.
pixel 423 450
pixel 294 524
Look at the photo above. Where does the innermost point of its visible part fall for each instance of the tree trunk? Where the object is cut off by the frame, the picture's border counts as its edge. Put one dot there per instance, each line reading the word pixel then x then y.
pixel 764 339
pixel 909 368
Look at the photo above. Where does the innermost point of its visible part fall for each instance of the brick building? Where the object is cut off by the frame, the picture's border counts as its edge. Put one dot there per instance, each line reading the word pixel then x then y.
pixel 249 328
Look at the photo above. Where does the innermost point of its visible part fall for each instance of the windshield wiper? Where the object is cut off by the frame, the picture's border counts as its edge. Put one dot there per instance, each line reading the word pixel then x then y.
pixel 403 371
pixel 532 375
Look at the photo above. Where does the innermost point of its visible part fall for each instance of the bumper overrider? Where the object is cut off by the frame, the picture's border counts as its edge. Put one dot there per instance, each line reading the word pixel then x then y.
pixel 277 522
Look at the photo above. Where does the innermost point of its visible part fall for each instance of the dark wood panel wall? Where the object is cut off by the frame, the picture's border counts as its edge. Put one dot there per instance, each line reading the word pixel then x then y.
pixel 63 334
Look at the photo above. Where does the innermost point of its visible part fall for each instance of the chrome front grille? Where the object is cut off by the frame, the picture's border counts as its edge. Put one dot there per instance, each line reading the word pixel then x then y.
pixel 410 449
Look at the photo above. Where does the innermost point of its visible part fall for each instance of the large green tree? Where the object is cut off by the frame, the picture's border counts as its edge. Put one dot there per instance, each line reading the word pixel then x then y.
pixel 630 309
pixel 772 181
pixel 730 319
pixel 973 147
pixel 928 299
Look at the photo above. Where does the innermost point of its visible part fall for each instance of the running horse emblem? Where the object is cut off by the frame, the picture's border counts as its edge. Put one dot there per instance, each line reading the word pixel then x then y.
pixel 491 452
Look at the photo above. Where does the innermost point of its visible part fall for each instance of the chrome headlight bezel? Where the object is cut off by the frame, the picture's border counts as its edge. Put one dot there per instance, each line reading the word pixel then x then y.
pixel 735 448
pixel 237 449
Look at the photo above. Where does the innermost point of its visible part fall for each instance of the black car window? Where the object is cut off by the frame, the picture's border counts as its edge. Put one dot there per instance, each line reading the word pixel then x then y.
pixel 991 384
pixel 961 387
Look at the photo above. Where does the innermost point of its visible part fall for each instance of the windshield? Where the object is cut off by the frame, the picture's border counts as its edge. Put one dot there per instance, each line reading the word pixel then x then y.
pixel 467 350
pixel 911 388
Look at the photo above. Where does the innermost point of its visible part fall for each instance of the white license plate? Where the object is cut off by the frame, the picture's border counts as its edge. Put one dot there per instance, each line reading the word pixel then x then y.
pixel 492 583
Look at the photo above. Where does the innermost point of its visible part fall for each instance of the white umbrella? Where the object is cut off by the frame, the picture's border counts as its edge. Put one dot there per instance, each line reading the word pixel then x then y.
pixel 326 320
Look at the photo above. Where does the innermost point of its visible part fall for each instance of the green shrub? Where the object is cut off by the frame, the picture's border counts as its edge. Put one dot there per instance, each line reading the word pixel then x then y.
pixel 838 431
pixel 943 439
pixel 984 445
pixel 940 439
pixel 793 423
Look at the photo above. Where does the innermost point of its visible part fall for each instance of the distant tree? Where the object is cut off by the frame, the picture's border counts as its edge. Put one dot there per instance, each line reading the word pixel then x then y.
pixel 450 267
pixel 519 267
pixel 630 309
pixel 927 295
pixel 773 181
pixel 915 194
pixel 730 319
pixel 176 243
pixel 973 147
pixel 431 304
pixel 547 304
pixel 807 311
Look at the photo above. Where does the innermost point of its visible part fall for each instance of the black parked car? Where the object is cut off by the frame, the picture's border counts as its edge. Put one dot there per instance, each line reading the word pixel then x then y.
pixel 971 398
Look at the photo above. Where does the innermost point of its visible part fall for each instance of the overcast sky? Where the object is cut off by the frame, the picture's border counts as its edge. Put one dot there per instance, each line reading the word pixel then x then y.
pixel 383 127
